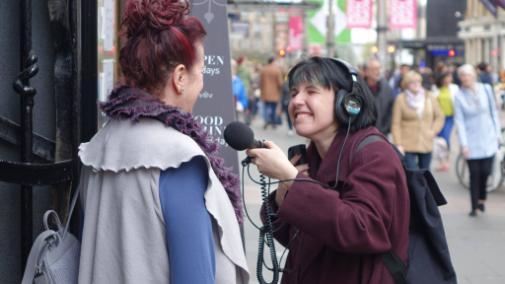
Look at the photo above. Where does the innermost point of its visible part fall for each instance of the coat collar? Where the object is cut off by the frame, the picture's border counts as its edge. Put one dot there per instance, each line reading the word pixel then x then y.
pixel 325 169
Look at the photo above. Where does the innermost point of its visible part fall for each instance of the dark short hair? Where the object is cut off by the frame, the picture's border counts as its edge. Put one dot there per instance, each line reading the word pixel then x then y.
pixel 482 66
pixel 439 80
pixel 324 72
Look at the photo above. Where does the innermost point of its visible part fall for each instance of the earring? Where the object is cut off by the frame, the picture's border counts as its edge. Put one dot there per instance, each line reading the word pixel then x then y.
pixel 181 91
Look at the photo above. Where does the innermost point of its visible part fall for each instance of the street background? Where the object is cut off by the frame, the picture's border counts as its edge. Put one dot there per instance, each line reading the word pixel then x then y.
pixel 477 245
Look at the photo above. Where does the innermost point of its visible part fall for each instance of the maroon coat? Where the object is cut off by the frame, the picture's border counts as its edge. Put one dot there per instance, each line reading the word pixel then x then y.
pixel 341 234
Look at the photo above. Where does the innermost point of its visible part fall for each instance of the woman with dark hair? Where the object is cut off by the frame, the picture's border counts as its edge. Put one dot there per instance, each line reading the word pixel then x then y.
pixel 445 93
pixel 159 206
pixel 349 205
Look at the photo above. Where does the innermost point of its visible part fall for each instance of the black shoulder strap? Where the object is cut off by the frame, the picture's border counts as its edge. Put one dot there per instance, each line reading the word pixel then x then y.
pixel 373 138
pixel 490 99
pixel 392 262
pixel 395 266
pixel 369 139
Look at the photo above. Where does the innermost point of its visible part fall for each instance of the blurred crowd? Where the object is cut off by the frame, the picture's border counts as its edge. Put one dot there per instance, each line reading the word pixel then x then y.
pixel 417 110
pixel 260 92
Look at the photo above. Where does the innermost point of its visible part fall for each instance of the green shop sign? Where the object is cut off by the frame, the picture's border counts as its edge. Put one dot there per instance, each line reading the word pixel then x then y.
pixel 317 22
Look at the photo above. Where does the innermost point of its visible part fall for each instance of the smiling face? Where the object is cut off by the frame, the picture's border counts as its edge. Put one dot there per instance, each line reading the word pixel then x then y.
pixel 311 110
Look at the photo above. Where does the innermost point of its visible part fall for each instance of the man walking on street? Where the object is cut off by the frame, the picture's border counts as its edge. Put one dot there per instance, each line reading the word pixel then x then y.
pixel 270 84
pixel 383 94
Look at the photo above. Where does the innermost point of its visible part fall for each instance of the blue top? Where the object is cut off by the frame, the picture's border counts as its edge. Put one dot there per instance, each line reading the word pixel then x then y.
pixel 477 120
pixel 239 91
pixel 189 234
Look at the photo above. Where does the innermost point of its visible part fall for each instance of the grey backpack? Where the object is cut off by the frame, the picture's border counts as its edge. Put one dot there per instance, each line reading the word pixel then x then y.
pixel 54 256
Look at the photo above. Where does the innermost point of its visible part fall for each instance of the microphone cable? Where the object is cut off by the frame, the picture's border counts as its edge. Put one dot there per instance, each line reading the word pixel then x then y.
pixel 266 231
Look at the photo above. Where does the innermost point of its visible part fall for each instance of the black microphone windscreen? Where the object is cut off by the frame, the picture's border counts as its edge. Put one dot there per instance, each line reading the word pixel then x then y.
pixel 238 135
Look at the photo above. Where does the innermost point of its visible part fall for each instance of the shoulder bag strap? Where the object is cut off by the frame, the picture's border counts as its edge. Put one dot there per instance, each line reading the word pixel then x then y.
pixel 367 140
pixel 395 266
pixel 72 206
pixel 392 262
pixel 491 103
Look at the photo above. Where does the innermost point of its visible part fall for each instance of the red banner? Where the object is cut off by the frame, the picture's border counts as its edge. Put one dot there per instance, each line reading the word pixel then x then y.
pixel 359 13
pixel 295 33
pixel 402 14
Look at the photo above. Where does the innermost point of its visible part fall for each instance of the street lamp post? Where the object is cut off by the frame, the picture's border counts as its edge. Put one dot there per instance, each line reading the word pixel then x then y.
pixel 381 32
pixel 330 30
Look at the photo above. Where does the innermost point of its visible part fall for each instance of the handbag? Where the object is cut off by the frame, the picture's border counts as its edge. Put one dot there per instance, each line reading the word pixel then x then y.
pixel 54 256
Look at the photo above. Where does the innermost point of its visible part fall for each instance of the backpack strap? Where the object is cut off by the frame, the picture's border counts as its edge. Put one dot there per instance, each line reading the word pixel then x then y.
pixel 392 262
pixel 395 266
pixel 369 139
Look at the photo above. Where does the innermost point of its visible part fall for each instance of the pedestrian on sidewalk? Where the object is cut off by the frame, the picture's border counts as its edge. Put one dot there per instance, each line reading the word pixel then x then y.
pixel 346 207
pixel 417 119
pixel 286 98
pixel 479 132
pixel 271 80
pixel 159 206
pixel 383 94
pixel 240 97
pixel 445 92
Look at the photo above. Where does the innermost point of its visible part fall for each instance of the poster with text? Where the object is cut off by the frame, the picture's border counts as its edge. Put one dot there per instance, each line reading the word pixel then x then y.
pixel 215 108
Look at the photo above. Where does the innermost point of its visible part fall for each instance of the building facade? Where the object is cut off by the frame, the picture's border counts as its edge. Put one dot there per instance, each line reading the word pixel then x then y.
pixel 483 35
pixel 436 35
pixel 263 29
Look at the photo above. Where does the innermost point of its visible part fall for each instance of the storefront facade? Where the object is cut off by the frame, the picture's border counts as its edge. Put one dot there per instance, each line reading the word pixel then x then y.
pixel 483 35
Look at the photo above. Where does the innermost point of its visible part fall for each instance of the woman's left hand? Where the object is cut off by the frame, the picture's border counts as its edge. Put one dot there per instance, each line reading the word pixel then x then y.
pixel 272 162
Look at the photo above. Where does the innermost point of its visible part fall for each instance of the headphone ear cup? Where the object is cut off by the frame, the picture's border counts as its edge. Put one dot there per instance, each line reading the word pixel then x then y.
pixel 340 111
pixel 352 105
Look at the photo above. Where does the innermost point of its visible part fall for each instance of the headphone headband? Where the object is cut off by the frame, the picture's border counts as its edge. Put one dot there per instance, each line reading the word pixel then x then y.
pixel 348 68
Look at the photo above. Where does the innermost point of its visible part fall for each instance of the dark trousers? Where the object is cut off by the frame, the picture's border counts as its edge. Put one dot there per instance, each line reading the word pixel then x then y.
pixel 285 109
pixel 480 169
pixel 270 112
pixel 417 161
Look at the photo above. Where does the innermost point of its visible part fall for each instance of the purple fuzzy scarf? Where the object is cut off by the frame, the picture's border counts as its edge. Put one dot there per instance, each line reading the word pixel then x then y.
pixel 130 103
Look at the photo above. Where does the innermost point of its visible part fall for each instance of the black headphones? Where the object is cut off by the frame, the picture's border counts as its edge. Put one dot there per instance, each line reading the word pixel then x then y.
pixel 347 103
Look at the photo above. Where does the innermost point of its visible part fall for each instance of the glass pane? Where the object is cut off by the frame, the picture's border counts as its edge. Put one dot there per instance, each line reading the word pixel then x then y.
pixel 107 48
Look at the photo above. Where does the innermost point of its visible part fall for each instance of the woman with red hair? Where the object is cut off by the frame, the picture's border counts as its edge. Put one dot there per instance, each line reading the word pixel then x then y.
pixel 159 206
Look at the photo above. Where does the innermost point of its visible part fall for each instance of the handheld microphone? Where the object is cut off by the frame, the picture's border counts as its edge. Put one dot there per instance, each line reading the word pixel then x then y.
pixel 240 137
